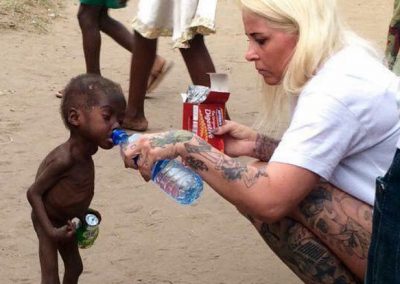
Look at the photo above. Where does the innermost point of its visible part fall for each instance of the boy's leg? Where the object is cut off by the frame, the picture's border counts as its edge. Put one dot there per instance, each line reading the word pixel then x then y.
pixel 198 61
pixel 89 17
pixel 144 54
pixel 47 256
pixel 330 232
pixel 72 262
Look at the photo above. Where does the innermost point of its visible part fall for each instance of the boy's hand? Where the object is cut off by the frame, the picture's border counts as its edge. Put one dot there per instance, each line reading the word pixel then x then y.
pixel 65 233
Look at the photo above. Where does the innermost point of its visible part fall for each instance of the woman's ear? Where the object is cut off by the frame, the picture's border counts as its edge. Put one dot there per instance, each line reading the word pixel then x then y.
pixel 74 116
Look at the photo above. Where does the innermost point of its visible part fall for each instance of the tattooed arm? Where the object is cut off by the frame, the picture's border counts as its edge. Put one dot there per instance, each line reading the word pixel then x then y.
pixel 264 147
pixel 241 140
pixel 266 191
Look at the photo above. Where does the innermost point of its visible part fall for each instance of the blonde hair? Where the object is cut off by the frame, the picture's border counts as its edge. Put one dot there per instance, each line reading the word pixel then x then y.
pixel 320 35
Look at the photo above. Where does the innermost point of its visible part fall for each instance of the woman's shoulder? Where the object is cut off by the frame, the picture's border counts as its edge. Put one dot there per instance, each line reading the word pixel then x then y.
pixel 352 73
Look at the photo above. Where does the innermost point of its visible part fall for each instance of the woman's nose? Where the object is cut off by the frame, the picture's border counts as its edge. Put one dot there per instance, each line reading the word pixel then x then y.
pixel 250 55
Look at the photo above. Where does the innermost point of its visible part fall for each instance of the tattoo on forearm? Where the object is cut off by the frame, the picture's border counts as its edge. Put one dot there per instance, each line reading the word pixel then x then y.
pixel 202 147
pixel 171 137
pixel 231 170
pixel 264 147
pixel 196 164
pixel 251 177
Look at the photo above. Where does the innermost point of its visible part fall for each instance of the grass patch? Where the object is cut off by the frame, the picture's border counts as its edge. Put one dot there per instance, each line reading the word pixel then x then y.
pixel 30 15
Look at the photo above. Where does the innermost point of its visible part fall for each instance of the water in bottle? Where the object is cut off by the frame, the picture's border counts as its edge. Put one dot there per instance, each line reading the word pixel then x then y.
pixel 178 181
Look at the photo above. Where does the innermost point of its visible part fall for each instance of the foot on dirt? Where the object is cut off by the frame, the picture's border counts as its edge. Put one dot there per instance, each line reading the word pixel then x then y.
pixel 137 124
pixel 60 94
pixel 160 68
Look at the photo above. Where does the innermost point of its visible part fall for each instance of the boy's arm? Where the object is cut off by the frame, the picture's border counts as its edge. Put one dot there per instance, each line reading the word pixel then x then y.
pixel 47 178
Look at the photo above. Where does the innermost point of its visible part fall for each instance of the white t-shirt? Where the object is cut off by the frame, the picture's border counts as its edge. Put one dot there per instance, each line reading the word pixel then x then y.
pixel 345 125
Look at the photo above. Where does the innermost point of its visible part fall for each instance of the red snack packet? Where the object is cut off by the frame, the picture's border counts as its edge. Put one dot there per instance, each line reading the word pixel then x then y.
pixel 201 117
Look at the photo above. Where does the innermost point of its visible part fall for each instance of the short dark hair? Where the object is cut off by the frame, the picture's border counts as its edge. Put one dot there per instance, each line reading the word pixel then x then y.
pixel 84 91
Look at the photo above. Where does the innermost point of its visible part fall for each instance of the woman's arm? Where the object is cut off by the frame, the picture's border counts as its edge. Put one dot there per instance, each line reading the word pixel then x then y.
pixel 241 140
pixel 267 191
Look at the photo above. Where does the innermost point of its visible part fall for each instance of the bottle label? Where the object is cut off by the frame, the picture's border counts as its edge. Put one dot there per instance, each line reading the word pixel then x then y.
pixel 167 179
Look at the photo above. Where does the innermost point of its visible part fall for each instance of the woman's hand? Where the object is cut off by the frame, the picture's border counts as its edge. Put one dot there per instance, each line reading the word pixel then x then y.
pixel 238 139
pixel 151 148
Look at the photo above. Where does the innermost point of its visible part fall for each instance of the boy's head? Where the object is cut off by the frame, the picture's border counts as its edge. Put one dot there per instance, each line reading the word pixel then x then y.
pixel 93 106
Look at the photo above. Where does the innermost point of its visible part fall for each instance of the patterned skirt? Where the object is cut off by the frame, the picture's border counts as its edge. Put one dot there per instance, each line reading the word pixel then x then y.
pixel 393 43
pixel 180 19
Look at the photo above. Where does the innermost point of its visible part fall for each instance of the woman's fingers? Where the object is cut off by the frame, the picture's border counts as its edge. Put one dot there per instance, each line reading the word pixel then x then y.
pixel 225 128
pixel 145 165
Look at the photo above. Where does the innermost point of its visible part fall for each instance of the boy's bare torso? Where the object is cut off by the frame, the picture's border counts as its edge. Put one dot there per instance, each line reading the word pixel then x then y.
pixel 72 193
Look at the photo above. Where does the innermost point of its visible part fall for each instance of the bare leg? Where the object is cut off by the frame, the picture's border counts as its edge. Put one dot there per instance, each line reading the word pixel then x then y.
pixel 88 17
pixel 72 262
pixel 115 30
pixel 47 255
pixel 342 222
pixel 123 37
pixel 304 253
pixel 327 240
pixel 145 53
pixel 198 61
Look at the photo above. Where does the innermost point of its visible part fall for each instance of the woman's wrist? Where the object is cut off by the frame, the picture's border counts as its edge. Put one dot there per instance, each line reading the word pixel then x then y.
pixel 182 137
pixel 264 147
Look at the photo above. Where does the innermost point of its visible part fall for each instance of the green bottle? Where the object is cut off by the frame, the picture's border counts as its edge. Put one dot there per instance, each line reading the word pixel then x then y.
pixel 86 230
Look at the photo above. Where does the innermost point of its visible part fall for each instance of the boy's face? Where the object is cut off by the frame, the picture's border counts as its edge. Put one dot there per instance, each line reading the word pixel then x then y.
pixel 100 120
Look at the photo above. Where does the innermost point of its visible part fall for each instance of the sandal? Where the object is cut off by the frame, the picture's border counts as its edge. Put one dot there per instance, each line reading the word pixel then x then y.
pixel 157 76
pixel 60 94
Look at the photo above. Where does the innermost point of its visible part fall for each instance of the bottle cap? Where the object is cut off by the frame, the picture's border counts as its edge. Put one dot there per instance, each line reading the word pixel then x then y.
pixel 91 219
pixel 119 136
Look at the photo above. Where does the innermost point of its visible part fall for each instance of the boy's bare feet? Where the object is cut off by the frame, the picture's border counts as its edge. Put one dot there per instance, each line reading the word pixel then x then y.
pixel 135 123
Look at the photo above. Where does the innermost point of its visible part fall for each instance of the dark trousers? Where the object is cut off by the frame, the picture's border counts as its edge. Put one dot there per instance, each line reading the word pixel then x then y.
pixel 384 251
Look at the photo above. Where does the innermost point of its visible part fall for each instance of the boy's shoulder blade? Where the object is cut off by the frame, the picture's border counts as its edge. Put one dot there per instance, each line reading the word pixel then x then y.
pixel 60 157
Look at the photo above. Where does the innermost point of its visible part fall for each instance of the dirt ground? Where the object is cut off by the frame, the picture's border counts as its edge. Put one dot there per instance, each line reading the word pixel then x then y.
pixel 145 237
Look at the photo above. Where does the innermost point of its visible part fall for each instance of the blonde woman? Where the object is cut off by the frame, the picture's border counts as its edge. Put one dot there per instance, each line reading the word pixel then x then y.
pixel 310 191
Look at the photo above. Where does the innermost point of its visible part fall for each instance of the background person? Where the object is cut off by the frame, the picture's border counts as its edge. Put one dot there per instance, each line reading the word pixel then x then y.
pixel 93 19
pixel 186 22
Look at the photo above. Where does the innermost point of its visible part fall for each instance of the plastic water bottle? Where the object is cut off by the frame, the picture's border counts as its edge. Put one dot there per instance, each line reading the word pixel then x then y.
pixel 178 181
